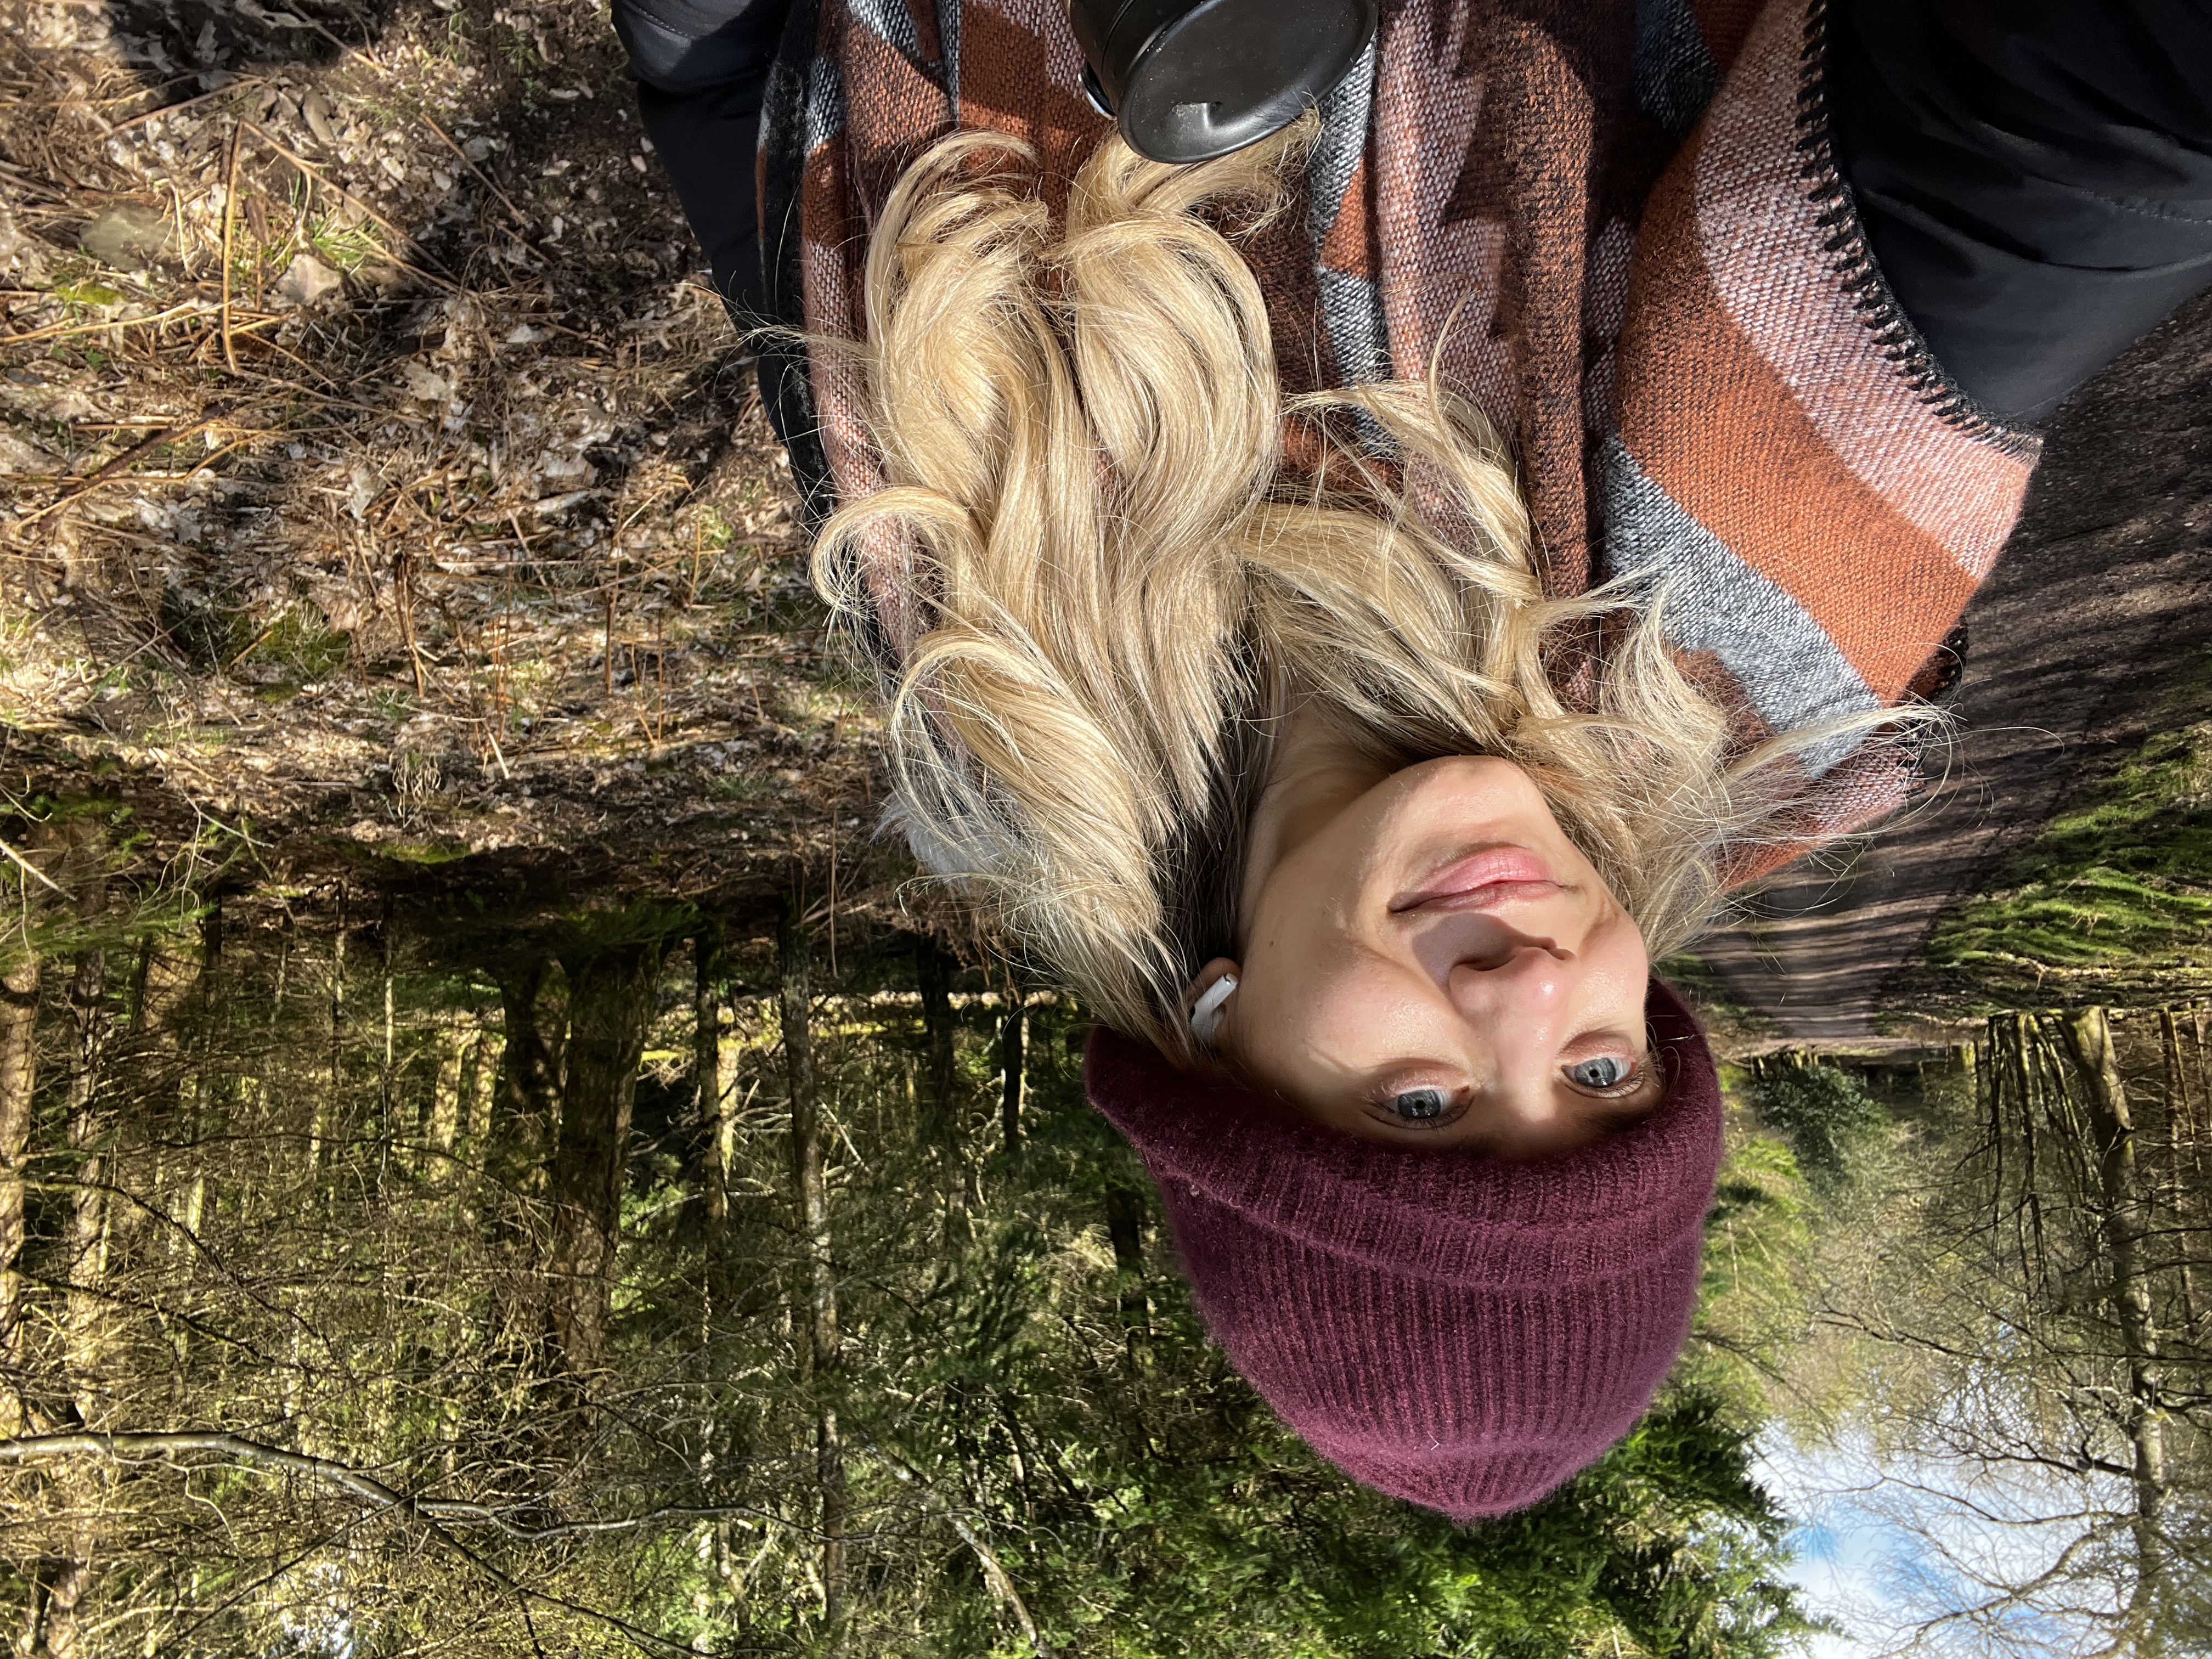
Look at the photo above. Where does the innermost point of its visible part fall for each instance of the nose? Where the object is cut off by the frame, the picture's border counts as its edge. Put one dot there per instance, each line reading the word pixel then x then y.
pixel 1508 968
pixel 1519 996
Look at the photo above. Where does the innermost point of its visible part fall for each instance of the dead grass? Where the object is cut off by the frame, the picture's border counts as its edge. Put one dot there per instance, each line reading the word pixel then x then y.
pixel 377 470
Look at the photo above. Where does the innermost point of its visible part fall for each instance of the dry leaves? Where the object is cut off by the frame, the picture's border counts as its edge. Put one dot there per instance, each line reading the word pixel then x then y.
pixel 375 456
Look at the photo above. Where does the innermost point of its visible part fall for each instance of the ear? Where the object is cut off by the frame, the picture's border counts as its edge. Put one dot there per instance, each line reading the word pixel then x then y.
pixel 1205 999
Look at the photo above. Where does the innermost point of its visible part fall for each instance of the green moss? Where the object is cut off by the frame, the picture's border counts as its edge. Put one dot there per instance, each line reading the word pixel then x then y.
pixel 2124 877
pixel 421 853
pixel 87 294
pixel 741 786
pixel 302 641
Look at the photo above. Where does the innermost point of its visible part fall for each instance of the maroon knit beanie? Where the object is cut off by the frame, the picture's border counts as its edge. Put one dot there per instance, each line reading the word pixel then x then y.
pixel 1459 1331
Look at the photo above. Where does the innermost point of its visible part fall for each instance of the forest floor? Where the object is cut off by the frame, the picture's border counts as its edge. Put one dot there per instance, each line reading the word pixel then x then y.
pixel 383 485
pixel 2075 774
pixel 384 492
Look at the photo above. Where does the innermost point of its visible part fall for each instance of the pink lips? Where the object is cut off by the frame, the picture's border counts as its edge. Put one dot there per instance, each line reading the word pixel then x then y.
pixel 1494 876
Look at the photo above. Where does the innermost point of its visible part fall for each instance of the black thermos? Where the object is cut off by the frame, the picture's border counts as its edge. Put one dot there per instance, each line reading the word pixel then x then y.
pixel 1190 80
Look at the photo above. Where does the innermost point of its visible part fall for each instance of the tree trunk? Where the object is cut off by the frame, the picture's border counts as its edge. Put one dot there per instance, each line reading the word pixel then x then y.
pixel 337 1035
pixel 85 1312
pixel 2126 1221
pixel 707 1085
pixel 610 1007
pixel 818 1315
pixel 940 1122
pixel 475 1094
pixel 2177 1178
pixel 19 1076
pixel 142 976
pixel 388 1127
pixel 522 1103
pixel 65 1584
pixel 1125 1231
pixel 448 1103
pixel 85 1130
pixel 1012 1046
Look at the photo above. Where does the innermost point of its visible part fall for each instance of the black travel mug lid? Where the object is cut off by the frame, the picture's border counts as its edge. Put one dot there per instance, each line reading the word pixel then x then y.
pixel 1188 82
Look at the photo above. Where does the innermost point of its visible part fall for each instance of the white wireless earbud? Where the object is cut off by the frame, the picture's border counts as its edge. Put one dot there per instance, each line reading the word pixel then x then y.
pixel 1206 1012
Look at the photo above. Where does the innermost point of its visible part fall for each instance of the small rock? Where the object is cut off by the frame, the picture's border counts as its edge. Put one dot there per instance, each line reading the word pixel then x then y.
pixel 424 382
pixel 128 236
pixel 555 467
pixel 363 487
pixel 307 279
pixel 317 110
pixel 19 455
pixel 24 255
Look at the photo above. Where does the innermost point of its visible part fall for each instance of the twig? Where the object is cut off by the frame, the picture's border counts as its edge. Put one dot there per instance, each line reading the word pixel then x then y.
pixel 350 51
pixel 37 1448
pixel 147 446
pixel 174 435
pixel 135 93
pixel 995 1575
pixel 482 177
pixel 59 330
pixel 403 574
pixel 30 868
pixel 184 241
pixel 229 213
pixel 614 595
pixel 259 640
pixel 186 104
pixel 367 1488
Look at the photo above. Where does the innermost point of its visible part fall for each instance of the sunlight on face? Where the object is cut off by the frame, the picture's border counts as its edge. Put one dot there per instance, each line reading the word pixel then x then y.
pixel 1436 964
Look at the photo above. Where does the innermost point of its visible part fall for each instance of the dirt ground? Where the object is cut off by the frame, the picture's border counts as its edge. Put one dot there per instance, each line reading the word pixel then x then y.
pixel 382 476
pixel 2097 619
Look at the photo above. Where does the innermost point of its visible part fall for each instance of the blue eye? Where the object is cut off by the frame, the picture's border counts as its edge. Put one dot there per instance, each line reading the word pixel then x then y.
pixel 1607 1071
pixel 1420 1105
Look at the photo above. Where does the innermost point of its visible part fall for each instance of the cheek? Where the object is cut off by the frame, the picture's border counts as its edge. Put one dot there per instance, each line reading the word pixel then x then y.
pixel 1619 966
pixel 1338 1016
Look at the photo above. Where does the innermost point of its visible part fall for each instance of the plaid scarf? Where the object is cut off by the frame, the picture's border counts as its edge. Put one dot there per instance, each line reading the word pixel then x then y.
pixel 1631 214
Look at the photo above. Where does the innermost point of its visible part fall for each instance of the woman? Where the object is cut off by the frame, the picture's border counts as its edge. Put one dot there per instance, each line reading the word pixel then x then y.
pixel 1271 722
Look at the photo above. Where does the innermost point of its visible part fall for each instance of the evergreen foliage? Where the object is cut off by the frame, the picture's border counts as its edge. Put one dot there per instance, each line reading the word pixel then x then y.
pixel 1824 1112
pixel 346 1209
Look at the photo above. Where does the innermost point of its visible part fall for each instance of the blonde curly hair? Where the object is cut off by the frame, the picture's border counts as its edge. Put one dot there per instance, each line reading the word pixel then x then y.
pixel 1119 579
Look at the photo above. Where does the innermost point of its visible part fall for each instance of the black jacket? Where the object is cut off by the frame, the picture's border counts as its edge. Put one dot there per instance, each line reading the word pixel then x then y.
pixel 2034 176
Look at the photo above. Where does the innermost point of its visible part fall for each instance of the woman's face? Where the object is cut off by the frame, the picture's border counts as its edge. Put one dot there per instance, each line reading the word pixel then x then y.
pixel 1436 964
